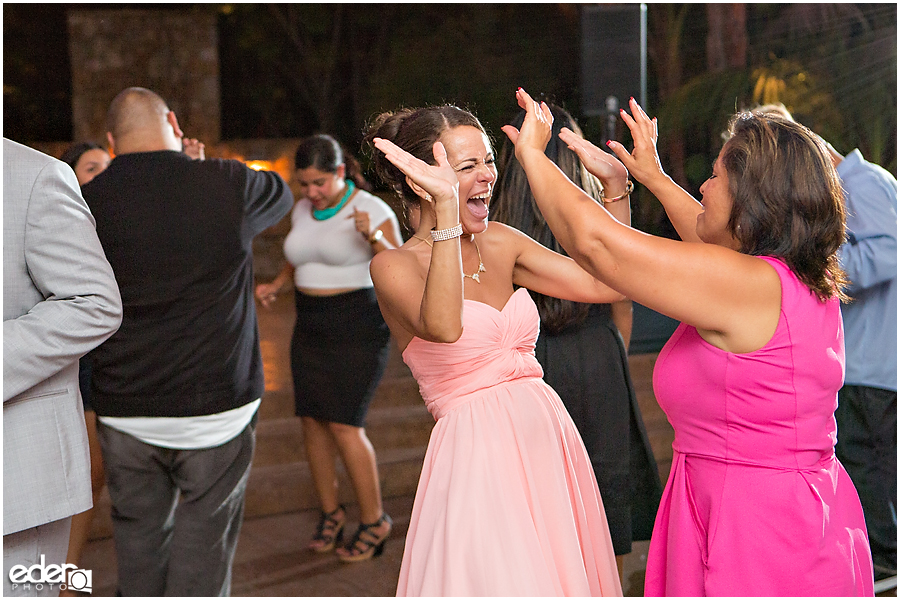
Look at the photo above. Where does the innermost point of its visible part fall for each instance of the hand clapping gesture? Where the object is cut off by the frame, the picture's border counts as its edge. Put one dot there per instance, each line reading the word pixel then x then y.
pixel 437 184
pixel 535 134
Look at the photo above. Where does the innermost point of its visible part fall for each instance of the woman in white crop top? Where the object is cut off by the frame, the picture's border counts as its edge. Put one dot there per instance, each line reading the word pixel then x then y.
pixel 340 344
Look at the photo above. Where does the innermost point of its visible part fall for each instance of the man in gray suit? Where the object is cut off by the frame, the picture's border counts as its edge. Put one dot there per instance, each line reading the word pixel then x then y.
pixel 60 300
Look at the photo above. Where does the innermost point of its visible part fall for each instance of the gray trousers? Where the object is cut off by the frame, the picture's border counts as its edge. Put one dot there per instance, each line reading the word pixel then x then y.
pixel 176 513
pixel 26 547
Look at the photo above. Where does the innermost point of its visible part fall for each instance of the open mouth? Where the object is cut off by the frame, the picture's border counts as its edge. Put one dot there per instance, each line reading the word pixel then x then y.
pixel 478 206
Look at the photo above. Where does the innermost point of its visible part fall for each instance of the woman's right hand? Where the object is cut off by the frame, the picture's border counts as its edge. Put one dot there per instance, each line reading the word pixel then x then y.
pixel 536 128
pixel 643 161
pixel 437 183
pixel 611 173
pixel 194 148
pixel 266 293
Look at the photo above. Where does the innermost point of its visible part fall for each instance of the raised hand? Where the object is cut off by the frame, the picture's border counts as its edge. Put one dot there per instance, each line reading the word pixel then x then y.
pixel 537 127
pixel 194 148
pixel 438 182
pixel 611 173
pixel 643 161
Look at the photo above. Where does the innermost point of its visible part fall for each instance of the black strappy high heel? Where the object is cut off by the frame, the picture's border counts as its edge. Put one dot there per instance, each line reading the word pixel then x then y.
pixel 330 530
pixel 371 545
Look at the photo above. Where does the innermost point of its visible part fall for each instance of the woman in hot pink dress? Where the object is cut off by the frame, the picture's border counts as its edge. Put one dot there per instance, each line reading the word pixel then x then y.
pixel 507 503
pixel 756 504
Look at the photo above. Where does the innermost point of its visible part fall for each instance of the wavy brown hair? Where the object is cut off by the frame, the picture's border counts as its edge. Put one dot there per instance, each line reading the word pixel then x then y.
pixel 787 198
pixel 416 131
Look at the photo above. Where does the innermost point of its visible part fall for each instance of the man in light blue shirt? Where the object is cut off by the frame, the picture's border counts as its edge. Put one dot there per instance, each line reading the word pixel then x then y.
pixel 867 404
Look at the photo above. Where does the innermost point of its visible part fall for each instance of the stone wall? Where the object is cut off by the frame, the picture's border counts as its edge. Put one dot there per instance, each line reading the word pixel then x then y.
pixel 172 52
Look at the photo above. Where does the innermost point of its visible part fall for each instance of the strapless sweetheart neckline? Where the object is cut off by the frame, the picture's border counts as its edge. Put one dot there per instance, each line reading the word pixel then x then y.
pixel 508 300
pixel 480 303
pixel 505 462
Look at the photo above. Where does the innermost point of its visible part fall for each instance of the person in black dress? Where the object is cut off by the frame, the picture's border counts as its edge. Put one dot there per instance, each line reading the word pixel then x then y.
pixel 584 354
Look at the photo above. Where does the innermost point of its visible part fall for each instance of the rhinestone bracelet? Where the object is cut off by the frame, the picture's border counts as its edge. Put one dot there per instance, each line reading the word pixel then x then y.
pixel 439 235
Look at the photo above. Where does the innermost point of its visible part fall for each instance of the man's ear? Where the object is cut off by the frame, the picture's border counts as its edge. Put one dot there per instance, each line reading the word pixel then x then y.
pixel 112 141
pixel 173 121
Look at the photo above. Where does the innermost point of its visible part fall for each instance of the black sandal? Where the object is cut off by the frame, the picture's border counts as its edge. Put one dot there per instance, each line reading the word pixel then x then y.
pixel 371 545
pixel 330 531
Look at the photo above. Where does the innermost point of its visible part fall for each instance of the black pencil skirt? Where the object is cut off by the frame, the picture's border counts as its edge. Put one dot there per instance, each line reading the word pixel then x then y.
pixel 339 350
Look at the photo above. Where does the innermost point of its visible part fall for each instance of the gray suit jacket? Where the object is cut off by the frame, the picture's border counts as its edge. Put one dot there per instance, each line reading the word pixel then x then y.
pixel 60 300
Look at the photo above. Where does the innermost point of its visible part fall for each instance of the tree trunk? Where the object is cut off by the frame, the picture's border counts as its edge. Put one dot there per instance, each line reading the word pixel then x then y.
pixel 726 39
pixel 667 26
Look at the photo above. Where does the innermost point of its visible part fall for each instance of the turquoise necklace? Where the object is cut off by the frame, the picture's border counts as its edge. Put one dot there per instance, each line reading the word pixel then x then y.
pixel 327 213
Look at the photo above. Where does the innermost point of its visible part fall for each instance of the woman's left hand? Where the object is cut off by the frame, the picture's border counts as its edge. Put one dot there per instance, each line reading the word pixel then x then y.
pixel 361 221
pixel 536 128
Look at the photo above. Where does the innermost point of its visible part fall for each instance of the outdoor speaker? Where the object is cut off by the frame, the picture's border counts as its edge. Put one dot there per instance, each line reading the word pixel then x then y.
pixel 613 57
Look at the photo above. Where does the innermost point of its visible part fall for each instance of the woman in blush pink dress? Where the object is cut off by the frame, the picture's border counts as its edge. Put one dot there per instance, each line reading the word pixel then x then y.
pixel 756 504
pixel 507 503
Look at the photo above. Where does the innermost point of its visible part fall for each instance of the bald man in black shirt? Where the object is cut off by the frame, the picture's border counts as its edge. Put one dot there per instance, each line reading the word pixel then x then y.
pixel 177 388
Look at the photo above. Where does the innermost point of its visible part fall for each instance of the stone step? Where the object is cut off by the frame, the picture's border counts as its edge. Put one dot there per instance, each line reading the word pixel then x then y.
pixel 280 441
pixel 276 489
pixel 280 480
pixel 288 487
pixel 392 390
pixel 397 390
pixel 399 427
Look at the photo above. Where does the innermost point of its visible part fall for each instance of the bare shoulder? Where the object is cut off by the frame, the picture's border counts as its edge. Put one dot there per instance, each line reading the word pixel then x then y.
pixel 759 271
pixel 391 264
pixel 501 231
pixel 502 244
pixel 741 304
pixel 504 237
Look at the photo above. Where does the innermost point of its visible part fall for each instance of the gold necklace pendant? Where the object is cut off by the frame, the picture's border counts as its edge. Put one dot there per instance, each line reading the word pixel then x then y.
pixel 476 275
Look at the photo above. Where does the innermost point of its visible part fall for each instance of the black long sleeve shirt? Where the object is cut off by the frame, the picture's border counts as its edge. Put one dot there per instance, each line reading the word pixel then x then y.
pixel 178 233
